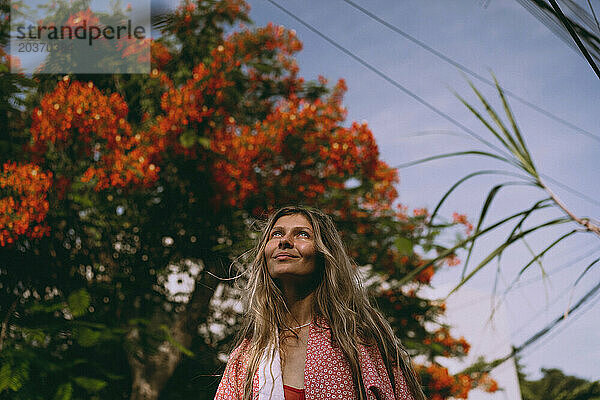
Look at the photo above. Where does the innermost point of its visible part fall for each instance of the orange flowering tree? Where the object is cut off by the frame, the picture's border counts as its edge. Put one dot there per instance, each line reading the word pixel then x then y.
pixel 130 194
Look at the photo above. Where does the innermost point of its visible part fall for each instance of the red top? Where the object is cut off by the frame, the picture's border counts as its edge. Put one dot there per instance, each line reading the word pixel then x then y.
pixel 292 393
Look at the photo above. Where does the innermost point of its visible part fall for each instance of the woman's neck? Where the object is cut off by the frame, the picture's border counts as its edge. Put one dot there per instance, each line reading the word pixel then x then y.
pixel 299 303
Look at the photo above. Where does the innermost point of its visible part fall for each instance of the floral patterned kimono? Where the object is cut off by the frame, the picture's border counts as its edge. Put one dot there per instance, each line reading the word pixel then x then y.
pixel 326 373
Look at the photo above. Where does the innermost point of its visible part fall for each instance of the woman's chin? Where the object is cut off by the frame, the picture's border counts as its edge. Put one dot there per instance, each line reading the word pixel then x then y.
pixel 288 273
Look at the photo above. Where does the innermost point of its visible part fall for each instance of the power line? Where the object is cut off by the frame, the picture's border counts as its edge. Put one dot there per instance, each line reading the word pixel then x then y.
pixel 562 327
pixel 469 71
pixel 526 282
pixel 540 314
pixel 570 189
pixel 407 91
pixel 560 268
pixel 548 328
pixel 388 79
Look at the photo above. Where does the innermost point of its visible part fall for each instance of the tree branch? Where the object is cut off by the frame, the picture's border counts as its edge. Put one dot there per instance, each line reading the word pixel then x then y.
pixel 582 221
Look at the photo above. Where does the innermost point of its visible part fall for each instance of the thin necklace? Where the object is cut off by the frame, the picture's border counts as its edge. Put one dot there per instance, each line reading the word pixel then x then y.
pixel 302 326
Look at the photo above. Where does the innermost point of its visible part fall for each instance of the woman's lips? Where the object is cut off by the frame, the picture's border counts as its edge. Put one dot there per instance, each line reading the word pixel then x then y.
pixel 284 257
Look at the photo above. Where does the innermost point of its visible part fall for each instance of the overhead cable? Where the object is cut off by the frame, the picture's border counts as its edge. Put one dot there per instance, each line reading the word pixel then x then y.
pixel 470 71
pixel 389 80
pixel 410 93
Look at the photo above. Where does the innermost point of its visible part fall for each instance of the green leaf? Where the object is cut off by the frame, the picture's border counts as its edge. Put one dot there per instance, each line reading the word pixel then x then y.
pixel 85 201
pixel 514 125
pixel 90 324
pixel 521 155
pixel 64 392
pixel 539 204
pixel 500 249
pixel 138 321
pixel 459 245
pixel 455 154
pixel 87 337
pixel 545 251
pixel 262 67
pixel 188 138
pixel 404 245
pixel 484 122
pixel 509 142
pixel 46 308
pixel 174 342
pixel 467 177
pixel 14 377
pixel 538 260
pixel 90 384
pixel 585 271
pixel 488 202
pixel 31 335
pixel 5 376
pixel 437 348
pixel 204 142
pixel 79 302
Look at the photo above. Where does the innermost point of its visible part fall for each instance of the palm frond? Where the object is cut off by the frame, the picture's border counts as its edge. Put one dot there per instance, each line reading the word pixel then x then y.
pixel 500 249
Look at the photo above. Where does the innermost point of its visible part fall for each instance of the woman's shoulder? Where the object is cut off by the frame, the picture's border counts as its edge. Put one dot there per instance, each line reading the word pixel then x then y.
pixel 240 353
pixel 232 382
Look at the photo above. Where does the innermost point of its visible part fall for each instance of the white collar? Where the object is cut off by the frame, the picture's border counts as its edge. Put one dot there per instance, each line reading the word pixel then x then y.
pixel 270 377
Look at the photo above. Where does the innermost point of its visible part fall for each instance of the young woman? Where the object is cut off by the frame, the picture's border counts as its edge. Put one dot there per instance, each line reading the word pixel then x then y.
pixel 309 330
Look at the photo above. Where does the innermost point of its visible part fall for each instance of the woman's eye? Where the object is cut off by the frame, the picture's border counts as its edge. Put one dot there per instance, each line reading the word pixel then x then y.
pixel 306 234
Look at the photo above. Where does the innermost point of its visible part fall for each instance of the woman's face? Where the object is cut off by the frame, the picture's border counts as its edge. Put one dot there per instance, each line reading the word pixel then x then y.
pixel 290 249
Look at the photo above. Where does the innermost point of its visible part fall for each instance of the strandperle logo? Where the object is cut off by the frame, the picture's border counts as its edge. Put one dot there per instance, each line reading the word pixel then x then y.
pixel 80 36
pixel 92 32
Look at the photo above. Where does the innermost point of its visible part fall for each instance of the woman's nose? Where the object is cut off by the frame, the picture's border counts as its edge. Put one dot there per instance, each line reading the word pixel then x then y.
pixel 285 240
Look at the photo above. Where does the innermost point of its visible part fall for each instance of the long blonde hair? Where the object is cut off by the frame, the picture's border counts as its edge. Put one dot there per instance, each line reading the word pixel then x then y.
pixel 339 297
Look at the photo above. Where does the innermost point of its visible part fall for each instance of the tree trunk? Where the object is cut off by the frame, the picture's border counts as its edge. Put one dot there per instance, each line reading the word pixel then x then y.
pixel 150 373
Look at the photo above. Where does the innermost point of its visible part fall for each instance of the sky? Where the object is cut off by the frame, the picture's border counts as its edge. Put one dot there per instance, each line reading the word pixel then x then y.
pixel 529 60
